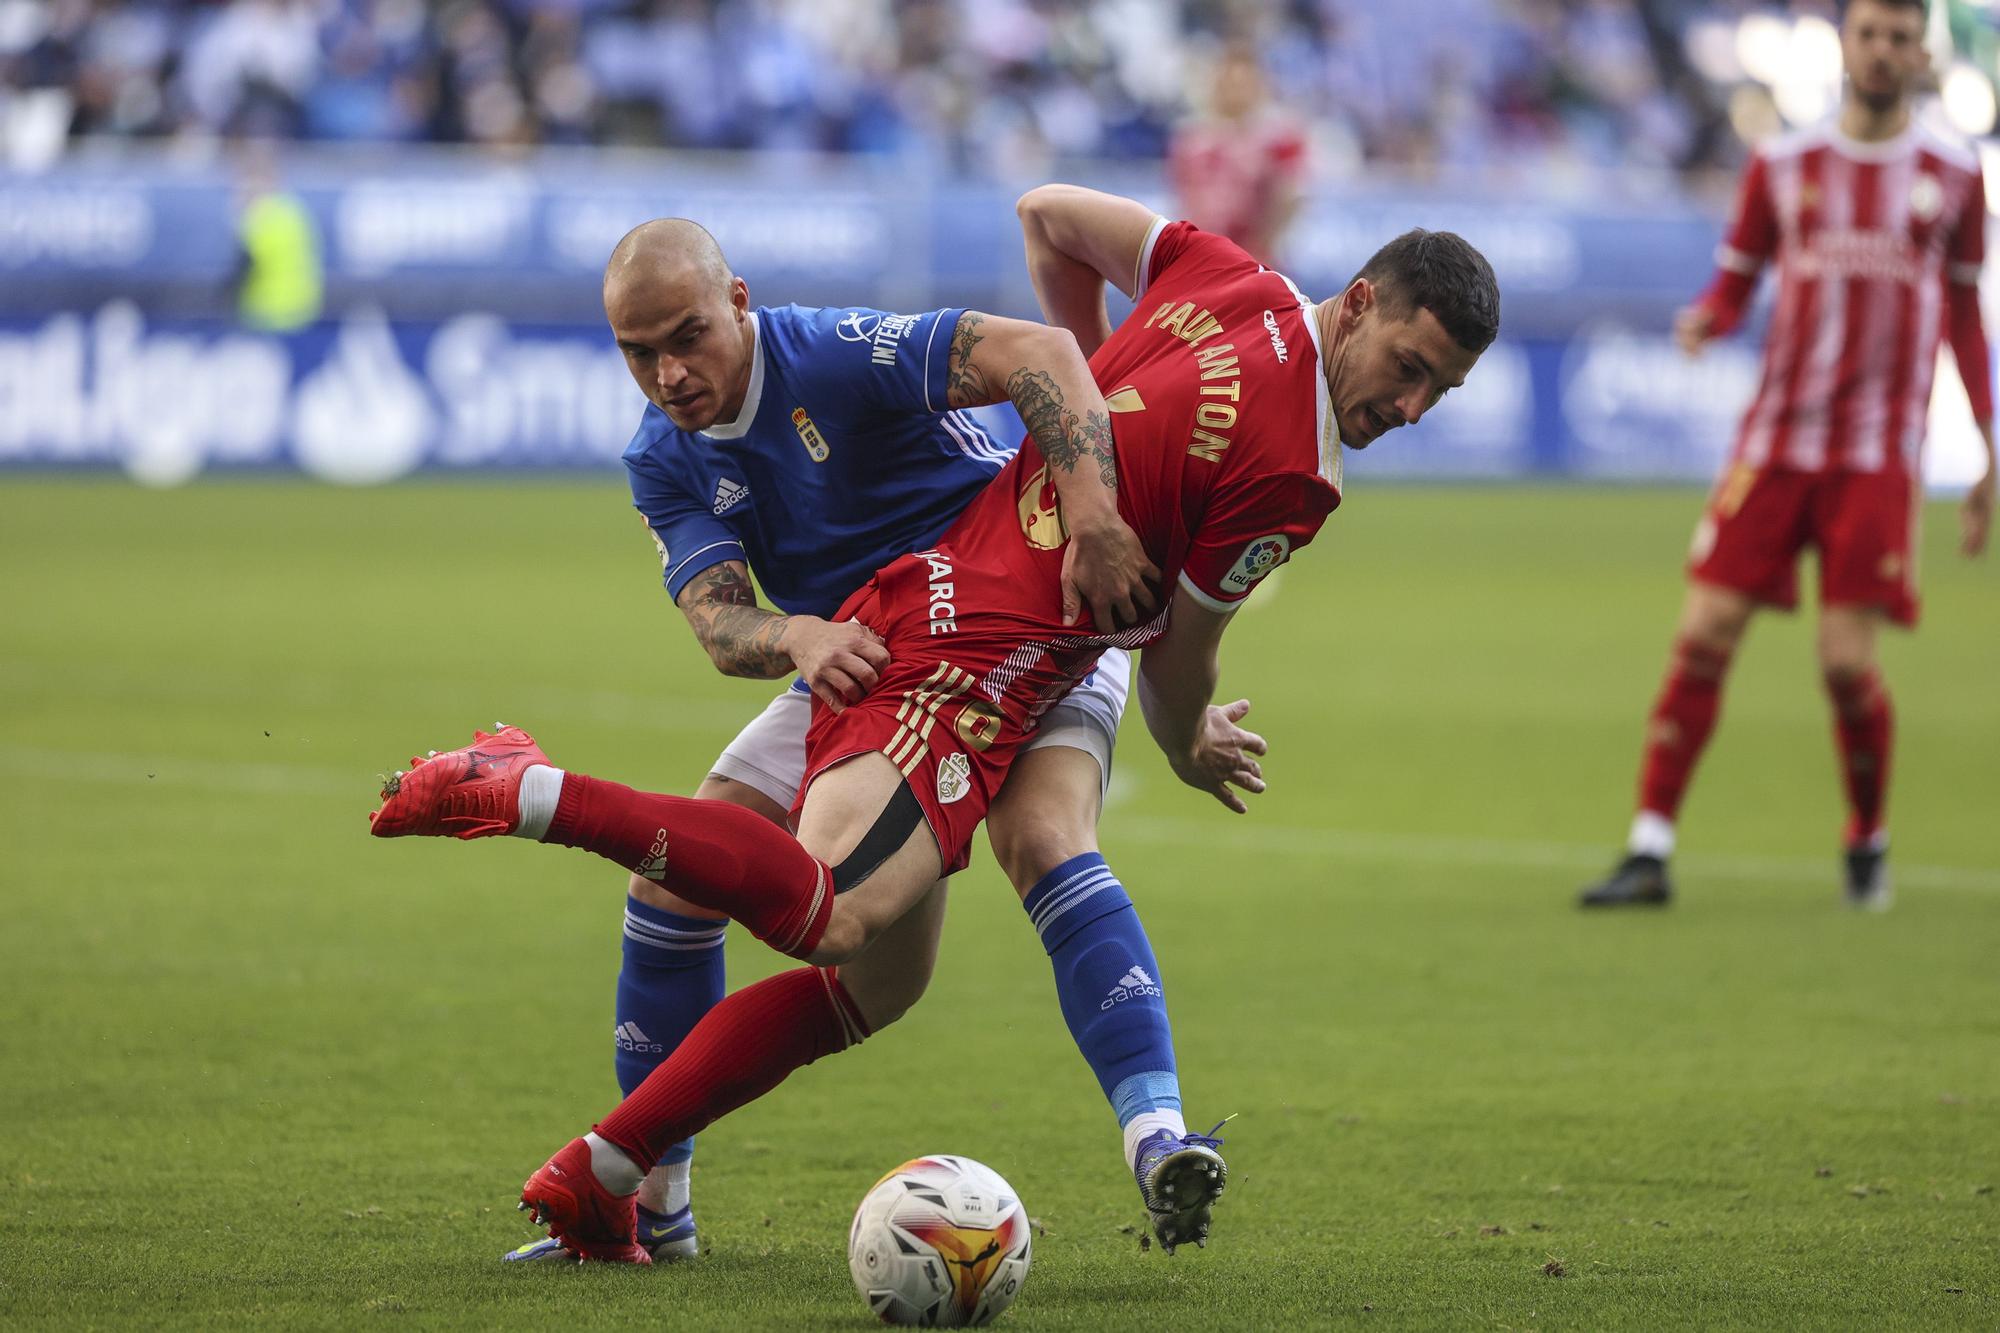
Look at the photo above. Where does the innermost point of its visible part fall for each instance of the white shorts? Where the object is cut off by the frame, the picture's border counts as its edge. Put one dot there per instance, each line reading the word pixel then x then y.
pixel 770 753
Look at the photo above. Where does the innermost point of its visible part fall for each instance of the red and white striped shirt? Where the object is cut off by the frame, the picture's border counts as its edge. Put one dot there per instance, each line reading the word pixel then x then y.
pixel 1871 239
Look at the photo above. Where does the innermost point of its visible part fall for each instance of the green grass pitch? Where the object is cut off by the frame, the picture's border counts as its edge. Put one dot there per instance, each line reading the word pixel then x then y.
pixel 258 1069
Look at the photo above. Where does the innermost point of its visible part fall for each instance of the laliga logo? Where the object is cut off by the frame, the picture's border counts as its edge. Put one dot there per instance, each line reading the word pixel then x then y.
pixel 1258 559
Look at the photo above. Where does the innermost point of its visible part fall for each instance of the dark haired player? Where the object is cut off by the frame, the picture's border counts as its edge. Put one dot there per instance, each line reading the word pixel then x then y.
pixel 1232 395
pixel 812 446
pixel 1877 222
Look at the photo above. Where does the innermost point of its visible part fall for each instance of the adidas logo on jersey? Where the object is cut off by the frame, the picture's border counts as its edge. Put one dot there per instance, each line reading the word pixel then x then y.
pixel 1134 983
pixel 632 1038
pixel 729 494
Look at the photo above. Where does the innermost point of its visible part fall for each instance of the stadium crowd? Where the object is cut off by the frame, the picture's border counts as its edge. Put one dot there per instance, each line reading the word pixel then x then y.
pixel 980 85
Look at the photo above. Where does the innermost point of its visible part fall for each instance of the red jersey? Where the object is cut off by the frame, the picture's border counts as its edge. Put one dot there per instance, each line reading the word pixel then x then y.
pixel 1866 237
pixel 1229 178
pixel 1228 454
pixel 1228 461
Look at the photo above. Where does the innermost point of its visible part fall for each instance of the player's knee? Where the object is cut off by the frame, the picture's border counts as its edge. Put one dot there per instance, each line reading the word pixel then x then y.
pixel 845 936
pixel 1715 620
pixel 1845 675
pixel 1028 849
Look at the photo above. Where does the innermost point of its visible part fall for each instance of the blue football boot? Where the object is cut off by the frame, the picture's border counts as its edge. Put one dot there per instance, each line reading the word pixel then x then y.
pixel 1180 1179
pixel 669 1236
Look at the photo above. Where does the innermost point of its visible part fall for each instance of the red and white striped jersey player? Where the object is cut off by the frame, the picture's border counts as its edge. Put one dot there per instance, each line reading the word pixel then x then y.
pixel 1876 223
pixel 1230 395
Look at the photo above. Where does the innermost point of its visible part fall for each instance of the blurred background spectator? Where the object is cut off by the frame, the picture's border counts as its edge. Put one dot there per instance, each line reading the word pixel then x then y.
pixel 1558 91
pixel 1237 165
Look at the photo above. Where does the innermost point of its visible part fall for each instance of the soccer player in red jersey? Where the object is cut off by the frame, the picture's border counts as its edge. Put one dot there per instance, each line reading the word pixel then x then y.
pixel 1239 169
pixel 1232 395
pixel 1877 222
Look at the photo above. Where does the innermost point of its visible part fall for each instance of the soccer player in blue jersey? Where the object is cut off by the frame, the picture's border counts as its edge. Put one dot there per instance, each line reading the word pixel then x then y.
pixel 814 446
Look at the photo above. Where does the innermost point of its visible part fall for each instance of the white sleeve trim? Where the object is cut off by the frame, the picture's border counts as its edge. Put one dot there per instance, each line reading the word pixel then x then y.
pixel 1966 274
pixel 1212 603
pixel 928 344
pixel 698 553
pixel 1736 261
pixel 1141 279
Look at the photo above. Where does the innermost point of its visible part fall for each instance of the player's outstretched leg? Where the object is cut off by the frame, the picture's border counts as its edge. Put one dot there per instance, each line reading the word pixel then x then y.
pixel 672 975
pixel 711 853
pixel 1108 981
pixel 587 1193
pixel 1180 1178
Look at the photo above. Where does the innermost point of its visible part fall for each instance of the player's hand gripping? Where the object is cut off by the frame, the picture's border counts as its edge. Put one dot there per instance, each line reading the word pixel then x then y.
pixel 1224 755
pixel 1975 517
pixel 839 661
pixel 1106 569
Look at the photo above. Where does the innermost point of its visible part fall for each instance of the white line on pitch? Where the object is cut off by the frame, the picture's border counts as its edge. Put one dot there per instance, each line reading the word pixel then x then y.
pixel 293 779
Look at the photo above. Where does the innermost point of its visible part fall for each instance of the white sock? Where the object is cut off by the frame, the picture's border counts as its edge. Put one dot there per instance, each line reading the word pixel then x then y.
pixel 541 788
pixel 666 1188
pixel 1146 1124
pixel 1652 835
pixel 613 1169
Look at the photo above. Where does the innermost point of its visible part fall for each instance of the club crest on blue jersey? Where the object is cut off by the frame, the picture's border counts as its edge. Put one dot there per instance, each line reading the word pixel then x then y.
pixel 809 436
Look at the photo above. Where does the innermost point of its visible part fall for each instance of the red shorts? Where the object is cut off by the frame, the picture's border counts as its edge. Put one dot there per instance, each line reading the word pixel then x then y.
pixel 1862 523
pixel 969 675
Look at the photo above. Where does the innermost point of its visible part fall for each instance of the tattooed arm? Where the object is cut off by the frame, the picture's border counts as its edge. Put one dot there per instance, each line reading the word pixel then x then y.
pixel 1042 372
pixel 839 660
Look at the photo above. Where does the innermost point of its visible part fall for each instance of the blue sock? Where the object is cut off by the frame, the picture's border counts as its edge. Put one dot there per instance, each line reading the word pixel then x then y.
pixel 672 976
pixel 1108 983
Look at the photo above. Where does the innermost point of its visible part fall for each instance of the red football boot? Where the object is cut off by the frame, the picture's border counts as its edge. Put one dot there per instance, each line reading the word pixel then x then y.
pixel 469 793
pixel 591 1222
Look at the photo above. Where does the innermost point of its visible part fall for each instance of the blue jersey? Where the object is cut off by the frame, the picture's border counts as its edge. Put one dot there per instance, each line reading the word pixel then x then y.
pixel 843 457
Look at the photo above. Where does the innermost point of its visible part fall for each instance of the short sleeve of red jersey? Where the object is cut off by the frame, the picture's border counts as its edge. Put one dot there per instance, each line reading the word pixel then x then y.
pixel 1173 247
pixel 1753 228
pixel 1249 530
pixel 1968 239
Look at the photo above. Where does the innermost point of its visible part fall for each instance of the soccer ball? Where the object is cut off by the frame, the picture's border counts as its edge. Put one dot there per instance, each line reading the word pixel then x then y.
pixel 939 1242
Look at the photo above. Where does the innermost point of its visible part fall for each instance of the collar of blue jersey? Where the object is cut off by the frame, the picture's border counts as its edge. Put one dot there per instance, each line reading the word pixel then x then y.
pixel 747 414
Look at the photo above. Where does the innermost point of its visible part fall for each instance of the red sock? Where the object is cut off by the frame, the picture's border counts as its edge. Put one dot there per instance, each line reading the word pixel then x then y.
pixel 742 1049
pixel 1864 727
pixel 709 852
pixel 1683 716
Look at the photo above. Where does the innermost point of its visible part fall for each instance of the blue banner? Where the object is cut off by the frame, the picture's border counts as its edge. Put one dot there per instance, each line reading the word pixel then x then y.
pixel 425 236
pixel 366 400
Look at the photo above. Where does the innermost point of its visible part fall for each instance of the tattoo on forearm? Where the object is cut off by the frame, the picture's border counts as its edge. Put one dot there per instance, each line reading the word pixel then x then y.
pixel 1064 440
pixel 741 636
pixel 965 383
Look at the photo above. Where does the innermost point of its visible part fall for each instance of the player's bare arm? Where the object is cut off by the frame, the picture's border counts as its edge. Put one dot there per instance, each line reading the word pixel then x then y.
pixel 1077 241
pixel 1202 742
pixel 1042 372
pixel 839 661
